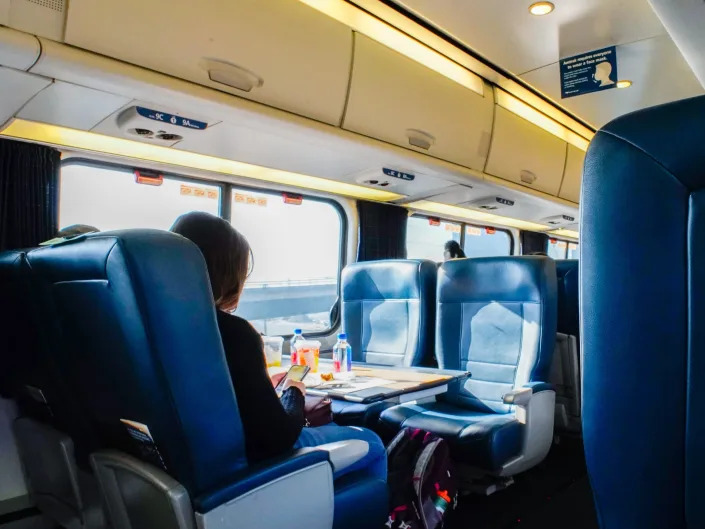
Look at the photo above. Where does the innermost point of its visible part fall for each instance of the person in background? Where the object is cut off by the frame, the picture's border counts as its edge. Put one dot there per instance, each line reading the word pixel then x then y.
pixel 452 250
pixel 272 425
pixel 70 232
pixel 75 230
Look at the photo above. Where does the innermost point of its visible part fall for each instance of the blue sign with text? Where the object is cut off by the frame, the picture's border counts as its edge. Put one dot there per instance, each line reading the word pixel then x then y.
pixel 171 118
pixel 593 71
pixel 398 174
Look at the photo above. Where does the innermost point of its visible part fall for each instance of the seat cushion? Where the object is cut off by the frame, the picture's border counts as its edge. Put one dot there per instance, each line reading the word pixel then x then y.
pixel 358 414
pixel 484 440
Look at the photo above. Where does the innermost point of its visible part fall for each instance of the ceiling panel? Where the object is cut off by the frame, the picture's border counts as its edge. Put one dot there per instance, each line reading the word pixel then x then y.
pixel 509 36
pixel 530 47
pixel 655 66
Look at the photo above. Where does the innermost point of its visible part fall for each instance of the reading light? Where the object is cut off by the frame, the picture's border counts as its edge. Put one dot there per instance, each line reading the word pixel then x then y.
pixel 90 141
pixel 389 36
pixel 541 8
pixel 625 83
pixel 480 216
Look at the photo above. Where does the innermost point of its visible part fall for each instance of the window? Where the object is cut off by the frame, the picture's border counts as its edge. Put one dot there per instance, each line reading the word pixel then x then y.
pixel 297 257
pixel 486 242
pixel 426 237
pixel 558 249
pixel 109 198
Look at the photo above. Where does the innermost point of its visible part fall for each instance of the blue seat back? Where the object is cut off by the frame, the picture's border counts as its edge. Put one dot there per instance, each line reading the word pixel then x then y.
pixel 388 311
pixel 567 275
pixel 137 337
pixel 642 310
pixel 497 319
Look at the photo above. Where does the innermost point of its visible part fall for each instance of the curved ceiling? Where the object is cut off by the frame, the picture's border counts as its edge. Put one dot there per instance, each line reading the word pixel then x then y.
pixel 530 47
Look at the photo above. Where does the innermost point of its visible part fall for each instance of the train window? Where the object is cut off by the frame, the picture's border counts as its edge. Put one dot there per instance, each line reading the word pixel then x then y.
pixel 558 249
pixel 109 198
pixel 486 242
pixel 296 245
pixel 426 236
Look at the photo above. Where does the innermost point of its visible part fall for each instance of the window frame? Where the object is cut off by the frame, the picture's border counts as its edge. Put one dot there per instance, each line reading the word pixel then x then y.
pixel 225 212
pixel 463 227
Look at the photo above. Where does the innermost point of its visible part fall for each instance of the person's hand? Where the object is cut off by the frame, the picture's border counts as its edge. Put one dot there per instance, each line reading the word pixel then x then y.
pixel 276 378
pixel 295 384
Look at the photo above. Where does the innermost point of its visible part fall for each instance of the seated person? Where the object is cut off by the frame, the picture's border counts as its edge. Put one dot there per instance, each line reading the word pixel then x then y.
pixel 272 425
pixel 452 250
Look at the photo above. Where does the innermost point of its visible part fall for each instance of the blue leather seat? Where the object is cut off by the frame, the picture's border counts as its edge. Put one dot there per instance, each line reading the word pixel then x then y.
pixel 497 319
pixel 388 313
pixel 389 309
pixel 642 309
pixel 140 343
pixel 17 339
pixel 565 371
pixel 50 417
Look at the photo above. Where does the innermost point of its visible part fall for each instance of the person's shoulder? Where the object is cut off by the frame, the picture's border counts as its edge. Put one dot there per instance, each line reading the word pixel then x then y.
pixel 235 324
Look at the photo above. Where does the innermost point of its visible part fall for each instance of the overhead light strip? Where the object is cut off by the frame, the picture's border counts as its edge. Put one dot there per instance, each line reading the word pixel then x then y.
pixel 134 150
pixel 565 233
pixel 470 214
pixel 385 34
pixel 529 113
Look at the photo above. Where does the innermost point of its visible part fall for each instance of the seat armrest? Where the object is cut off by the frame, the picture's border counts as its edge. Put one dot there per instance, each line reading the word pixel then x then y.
pixel 518 397
pixel 341 454
pixel 257 475
pixel 522 396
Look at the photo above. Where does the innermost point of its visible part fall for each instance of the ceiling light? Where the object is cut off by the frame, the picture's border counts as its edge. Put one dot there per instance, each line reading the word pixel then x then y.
pixel 541 8
pixel 135 150
pixel 529 113
pixel 626 83
pixel 470 214
pixel 565 233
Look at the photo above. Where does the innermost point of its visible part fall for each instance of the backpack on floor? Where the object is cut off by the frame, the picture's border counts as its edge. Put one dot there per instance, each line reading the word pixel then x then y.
pixel 421 483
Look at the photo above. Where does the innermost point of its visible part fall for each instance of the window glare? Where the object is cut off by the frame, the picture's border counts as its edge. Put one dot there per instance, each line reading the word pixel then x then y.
pixel 296 249
pixel 425 241
pixel 480 242
pixel 110 199
pixel 557 249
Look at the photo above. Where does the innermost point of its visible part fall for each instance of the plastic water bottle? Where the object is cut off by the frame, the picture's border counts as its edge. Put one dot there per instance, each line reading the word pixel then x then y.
pixel 342 355
pixel 298 337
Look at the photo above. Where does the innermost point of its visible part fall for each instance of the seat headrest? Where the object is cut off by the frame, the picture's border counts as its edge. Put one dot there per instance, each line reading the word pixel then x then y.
pixel 501 279
pixel 389 279
pixel 686 134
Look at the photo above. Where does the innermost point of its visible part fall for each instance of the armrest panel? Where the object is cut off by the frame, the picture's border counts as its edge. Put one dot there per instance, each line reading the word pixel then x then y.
pixel 341 454
pixel 537 387
pixel 257 475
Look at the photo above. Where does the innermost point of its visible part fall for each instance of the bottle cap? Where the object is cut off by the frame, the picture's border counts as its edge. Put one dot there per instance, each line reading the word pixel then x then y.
pixel 297 331
pixel 342 336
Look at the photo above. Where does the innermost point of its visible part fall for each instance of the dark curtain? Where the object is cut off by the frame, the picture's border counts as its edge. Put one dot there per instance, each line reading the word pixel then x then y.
pixel 29 193
pixel 532 242
pixel 382 232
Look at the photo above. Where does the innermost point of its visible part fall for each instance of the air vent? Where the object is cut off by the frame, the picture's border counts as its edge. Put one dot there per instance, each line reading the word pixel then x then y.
pixel 56 5
pixel 492 203
pixel 377 182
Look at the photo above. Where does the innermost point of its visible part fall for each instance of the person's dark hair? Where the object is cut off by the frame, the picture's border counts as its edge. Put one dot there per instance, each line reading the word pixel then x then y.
pixel 454 249
pixel 75 230
pixel 226 251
